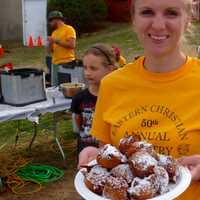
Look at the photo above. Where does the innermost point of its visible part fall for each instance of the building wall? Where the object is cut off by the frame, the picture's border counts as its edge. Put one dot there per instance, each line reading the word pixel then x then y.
pixel 11 27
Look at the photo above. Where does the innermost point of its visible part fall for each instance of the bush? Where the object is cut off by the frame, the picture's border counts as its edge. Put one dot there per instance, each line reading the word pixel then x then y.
pixel 81 14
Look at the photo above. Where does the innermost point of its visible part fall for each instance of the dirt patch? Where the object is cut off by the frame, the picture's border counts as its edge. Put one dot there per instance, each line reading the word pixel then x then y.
pixel 61 190
pixel 47 153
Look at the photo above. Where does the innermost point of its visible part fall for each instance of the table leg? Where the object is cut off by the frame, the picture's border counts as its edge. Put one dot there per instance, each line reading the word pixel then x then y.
pixel 56 137
pixel 34 135
pixel 17 133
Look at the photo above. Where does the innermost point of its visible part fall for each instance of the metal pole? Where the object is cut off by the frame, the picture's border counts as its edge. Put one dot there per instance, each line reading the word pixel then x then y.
pixel 34 135
pixel 56 137
pixel 17 133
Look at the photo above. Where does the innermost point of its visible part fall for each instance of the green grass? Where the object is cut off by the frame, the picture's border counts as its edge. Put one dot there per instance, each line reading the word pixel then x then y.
pixel 21 56
pixel 25 128
pixel 118 34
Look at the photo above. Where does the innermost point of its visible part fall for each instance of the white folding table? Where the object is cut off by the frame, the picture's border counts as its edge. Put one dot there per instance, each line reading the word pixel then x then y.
pixel 55 102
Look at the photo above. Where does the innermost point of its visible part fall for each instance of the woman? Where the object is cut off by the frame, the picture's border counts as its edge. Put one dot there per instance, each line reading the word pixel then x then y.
pixel 157 96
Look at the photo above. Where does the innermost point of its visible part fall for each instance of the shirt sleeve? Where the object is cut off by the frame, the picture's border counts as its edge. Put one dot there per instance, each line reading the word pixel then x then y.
pixel 71 33
pixel 75 105
pixel 100 128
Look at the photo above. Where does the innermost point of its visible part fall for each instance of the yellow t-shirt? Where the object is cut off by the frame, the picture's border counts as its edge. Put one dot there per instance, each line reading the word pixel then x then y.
pixel 163 108
pixel 60 54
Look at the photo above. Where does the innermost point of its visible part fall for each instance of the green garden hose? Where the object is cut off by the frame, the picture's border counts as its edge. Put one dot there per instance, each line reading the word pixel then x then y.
pixel 41 174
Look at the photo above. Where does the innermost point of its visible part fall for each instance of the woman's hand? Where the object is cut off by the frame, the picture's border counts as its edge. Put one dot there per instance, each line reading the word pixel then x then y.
pixel 193 163
pixel 86 155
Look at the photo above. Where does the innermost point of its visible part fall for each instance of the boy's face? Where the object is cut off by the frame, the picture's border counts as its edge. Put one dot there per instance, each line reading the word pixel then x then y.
pixel 94 69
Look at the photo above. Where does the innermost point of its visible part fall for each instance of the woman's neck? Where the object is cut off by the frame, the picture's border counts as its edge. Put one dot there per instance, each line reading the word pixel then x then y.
pixel 94 89
pixel 165 63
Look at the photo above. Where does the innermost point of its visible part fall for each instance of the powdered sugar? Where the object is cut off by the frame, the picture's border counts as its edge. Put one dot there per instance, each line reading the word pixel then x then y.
pixel 144 144
pixel 127 140
pixel 98 170
pixel 164 160
pixel 170 165
pixel 115 188
pixel 116 182
pixel 143 160
pixel 139 186
pixel 123 171
pixel 162 179
pixel 97 176
pixel 109 151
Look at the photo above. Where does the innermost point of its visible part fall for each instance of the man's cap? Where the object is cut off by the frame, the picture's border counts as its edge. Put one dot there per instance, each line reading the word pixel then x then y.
pixel 55 15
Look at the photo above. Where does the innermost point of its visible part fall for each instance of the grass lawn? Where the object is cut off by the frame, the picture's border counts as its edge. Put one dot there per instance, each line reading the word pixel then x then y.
pixel 120 34
pixel 22 56
pixel 9 129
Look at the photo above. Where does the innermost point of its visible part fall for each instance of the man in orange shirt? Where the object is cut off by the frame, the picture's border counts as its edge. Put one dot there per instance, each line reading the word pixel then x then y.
pixel 62 44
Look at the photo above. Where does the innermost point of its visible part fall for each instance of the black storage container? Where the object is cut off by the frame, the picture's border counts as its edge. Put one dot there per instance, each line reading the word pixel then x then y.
pixel 21 87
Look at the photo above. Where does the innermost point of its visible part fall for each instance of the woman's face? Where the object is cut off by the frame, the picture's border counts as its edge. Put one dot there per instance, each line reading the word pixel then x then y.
pixel 160 25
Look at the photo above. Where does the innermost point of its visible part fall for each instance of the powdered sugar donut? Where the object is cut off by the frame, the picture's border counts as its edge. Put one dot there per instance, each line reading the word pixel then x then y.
pixel 170 165
pixel 142 189
pixel 96 178
pixel 109 157
pixel 116 188
pixel 124 171
pixel 142 164
pixel 162 179
pixel 143 146
pixel 126 143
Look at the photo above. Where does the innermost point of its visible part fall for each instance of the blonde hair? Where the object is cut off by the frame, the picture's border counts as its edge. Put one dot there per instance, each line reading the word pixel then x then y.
pixel 188 7
pixel 105 51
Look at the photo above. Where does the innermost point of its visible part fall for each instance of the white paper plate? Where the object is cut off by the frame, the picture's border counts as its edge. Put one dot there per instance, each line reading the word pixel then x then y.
pixel 175 190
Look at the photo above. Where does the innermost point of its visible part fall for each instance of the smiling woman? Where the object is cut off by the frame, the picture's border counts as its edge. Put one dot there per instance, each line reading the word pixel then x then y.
pixel 160 28
pixel 157 95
